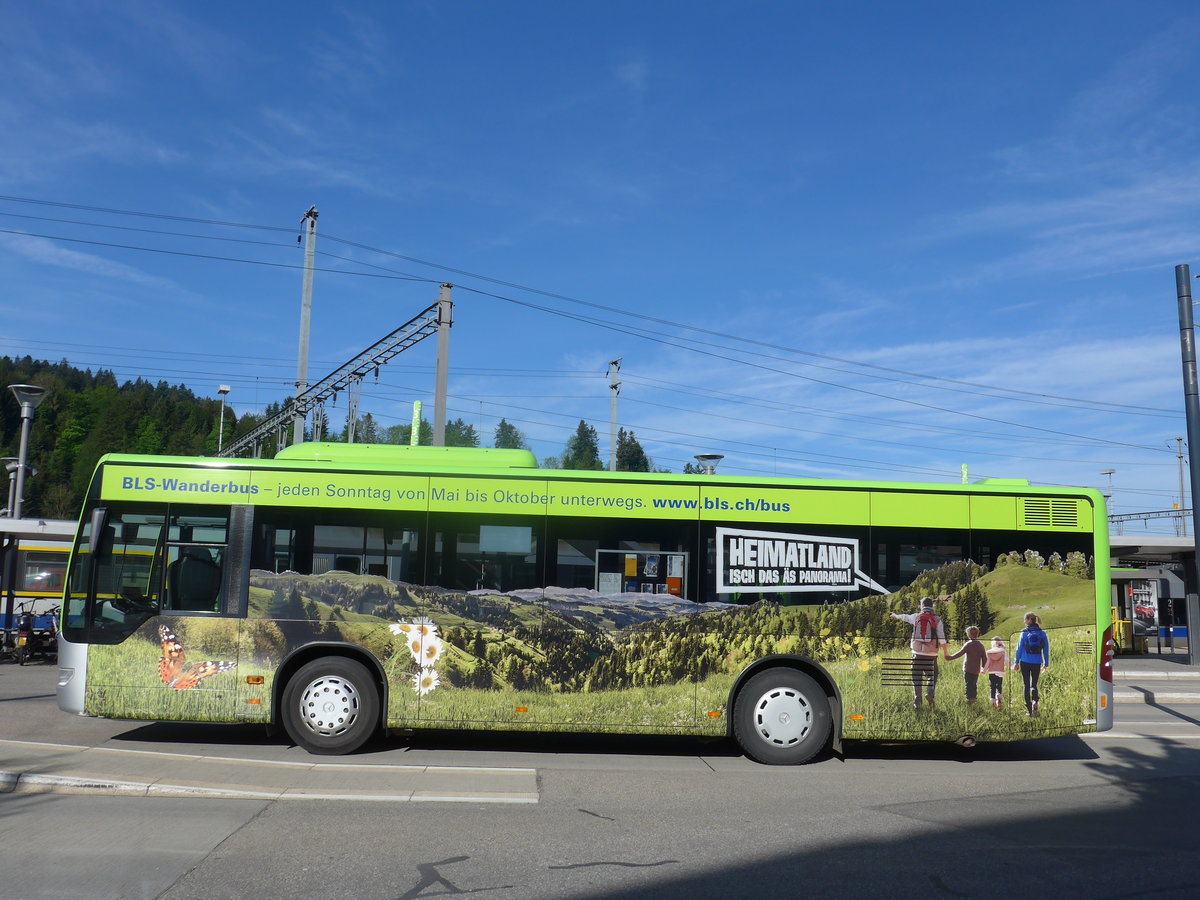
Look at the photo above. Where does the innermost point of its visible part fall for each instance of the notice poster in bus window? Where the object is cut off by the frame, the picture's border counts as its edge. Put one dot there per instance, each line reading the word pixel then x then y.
pixel 660 588
pixel 675 586
pixel 631 564
pixel 650 569
pixel 609 583
pixel 674 567
pixel 631 586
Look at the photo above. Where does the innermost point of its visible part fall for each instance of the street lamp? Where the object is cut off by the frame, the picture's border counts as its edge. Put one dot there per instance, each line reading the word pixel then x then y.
pixel 222 389
pixel 29 396
pixel 708 462
pixel 10 466
pixel 1110 473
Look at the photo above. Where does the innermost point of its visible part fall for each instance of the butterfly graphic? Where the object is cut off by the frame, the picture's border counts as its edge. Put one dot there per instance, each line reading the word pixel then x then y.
pixel 174 669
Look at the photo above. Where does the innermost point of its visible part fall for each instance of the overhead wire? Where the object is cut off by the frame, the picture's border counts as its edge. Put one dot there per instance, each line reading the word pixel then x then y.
pixel 923 379
pixel 752 341
pixel 692 349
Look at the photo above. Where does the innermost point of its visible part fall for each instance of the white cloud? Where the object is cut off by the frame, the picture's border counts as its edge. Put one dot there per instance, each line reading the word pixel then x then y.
pixel 48 253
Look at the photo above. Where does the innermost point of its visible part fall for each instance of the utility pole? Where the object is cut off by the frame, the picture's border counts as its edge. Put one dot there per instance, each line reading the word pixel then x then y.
pixel 445 311
pixel 353 395
pixel 309 221
pixel 222 389
pixel 1191 406
pixel 1183 529
pixel 615 386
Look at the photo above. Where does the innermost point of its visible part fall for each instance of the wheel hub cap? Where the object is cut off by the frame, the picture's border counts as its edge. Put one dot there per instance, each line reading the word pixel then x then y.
pixel 329 706
pixel 782 716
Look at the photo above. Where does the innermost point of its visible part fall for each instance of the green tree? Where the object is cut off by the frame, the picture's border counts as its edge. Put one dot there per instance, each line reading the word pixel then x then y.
pixel 400 434
pixel 319 425
pixel 630 455
pixel 583 449
pixel 367 431
pixel 460 434
pixel 509 437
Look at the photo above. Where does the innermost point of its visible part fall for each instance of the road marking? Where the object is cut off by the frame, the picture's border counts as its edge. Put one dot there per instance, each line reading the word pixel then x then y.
pixel 201 757
pixel 76 769
pixel 1137 735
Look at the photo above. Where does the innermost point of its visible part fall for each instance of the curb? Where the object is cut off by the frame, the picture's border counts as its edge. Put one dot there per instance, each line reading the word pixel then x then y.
pixel 28 783
pixel 1156 697
pixel 1134 675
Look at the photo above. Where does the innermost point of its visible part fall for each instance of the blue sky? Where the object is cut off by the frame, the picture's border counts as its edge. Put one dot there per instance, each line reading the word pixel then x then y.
pixel 872 241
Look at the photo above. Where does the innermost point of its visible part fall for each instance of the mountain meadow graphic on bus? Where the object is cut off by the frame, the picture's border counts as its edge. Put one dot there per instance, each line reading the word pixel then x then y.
pixel 582 660
pixel 785 563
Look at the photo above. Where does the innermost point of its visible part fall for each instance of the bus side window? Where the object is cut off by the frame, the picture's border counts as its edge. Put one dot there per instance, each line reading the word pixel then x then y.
pixel 193 580
pixel 195 555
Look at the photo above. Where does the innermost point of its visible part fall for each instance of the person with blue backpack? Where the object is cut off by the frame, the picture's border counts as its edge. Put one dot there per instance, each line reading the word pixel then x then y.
pixel 1032 659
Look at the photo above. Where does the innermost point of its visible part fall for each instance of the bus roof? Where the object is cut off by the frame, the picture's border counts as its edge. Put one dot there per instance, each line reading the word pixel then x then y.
pixel 420 457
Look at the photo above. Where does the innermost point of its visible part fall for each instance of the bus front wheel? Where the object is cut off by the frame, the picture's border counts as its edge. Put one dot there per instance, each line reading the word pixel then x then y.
pixel 330 705
pixel 781 717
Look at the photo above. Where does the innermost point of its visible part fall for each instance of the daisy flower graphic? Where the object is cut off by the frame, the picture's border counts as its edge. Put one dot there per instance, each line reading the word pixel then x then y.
pixel 400 628
pixel 425 681
pixel 431 651
pixel 415 646
pixel 424 627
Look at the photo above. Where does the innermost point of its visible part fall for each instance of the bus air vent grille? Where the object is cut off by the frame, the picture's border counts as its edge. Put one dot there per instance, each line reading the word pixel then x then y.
pixel 1050 512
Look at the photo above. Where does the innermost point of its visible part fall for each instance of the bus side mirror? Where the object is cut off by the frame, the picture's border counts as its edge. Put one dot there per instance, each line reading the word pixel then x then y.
pixel 96 529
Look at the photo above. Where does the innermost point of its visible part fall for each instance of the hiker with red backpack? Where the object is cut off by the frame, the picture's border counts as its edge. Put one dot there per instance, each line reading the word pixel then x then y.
pixel 928 639
pixel 1032 658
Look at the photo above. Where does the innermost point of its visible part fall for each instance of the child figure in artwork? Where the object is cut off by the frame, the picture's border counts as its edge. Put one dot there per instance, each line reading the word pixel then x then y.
pixel 974 659
pixel 997 662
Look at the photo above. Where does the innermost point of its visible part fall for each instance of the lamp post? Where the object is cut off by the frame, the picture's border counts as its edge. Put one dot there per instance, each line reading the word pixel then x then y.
pixel 708 462
pixel 1110 473
pixel 10 466
pixel 29 396
pixel 222 389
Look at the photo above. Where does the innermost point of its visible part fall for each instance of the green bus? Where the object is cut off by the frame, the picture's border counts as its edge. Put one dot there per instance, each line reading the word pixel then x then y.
pixel 340 590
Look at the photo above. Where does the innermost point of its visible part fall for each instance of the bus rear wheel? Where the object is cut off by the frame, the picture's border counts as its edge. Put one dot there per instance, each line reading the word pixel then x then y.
pixel 330 706
pixel 781 717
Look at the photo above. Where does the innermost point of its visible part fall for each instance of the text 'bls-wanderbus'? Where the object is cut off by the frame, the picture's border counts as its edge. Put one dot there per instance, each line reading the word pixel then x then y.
pixel 341 589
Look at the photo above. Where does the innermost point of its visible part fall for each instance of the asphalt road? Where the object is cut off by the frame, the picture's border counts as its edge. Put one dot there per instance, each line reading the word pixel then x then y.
pixel 1103 816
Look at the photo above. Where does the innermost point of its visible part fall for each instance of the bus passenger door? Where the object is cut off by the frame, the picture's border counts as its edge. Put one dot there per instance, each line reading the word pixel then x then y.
pixel 619 607
pixel 480 657
pixel 161 646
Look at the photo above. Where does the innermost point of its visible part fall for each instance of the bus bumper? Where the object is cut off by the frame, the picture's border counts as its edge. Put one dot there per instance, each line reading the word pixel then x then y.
pixel 72 676
pixel 1104 715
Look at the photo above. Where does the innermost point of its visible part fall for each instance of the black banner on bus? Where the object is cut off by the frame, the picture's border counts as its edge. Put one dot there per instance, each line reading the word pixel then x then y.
pixel 784 563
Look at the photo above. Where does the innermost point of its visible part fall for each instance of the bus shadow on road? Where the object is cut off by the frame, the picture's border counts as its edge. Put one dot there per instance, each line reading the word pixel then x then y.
pixel 194 737
pixel 1043 749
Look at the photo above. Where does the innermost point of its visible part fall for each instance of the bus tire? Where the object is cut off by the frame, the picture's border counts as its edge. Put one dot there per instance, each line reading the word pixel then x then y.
pixel 330 705
pixel 781 717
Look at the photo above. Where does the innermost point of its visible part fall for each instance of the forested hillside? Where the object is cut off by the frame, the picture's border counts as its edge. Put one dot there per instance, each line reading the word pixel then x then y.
pixel 89 414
